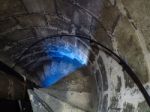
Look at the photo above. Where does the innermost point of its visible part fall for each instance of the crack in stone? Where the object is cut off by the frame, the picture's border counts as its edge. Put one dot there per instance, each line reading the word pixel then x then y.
pixel 115 23
pixel 130 18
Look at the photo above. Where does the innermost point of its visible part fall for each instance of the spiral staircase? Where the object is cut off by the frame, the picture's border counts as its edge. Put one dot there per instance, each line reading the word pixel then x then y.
pixel 72 74
pixel 74 93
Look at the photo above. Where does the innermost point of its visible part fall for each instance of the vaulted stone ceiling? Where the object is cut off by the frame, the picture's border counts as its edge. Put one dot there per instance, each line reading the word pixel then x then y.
pixel 121 25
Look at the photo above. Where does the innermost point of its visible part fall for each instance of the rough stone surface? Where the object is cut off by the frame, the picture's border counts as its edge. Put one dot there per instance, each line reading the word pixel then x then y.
pixel 54 103
pixel 105 104
pixel 143 107
pixel 75 83
pixel 102 36
pixel 27 21
pixel 19 34
pixel 57 22
pixel 128 108
pixel 130 49
pixel 139 12
pixel 9 7
pixel 121 25
pixel 103 73
pixel 7 24
pixel 38 6
pixel 72 98
pixel 109 16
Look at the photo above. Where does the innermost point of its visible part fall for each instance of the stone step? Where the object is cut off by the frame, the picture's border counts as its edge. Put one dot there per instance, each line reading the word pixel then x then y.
pixel 37 105
pixel 82 100
pixel 77 81
pixel 53 103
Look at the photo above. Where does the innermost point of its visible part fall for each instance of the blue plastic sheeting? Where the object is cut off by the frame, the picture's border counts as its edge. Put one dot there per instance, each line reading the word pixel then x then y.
pixel 64 61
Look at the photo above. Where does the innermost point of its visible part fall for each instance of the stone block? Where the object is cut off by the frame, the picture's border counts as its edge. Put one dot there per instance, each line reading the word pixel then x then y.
pixel 139 12
pixel 27 21
pixel 102 36
pixel 44 32
pixel 20 34
pixel 40 6
pixel 109 16
pixel 130 49
pixel 94 7
pixel 143 107
pixel 7 24
pixel 11 7
pixel 65 9
pixel 57 22
pixel 82 19
pixel 128 107
pixel 114 104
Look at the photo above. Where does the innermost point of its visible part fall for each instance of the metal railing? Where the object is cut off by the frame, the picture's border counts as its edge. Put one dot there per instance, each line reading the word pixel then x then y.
pixel 120 61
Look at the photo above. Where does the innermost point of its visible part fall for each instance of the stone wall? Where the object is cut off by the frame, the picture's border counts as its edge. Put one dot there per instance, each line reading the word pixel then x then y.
pixel 121 25
pixel 129 37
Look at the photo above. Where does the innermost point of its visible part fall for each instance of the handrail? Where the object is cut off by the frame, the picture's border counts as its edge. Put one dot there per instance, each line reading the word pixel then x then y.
pixel 120 61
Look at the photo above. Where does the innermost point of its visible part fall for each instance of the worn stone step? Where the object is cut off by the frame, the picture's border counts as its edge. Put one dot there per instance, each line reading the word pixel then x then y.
pixel 54 103
pixel 37 105
pixel 82 100
pixel 78 81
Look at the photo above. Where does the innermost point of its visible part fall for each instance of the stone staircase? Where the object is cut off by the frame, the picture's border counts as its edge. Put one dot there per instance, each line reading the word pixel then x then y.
pixel 74 93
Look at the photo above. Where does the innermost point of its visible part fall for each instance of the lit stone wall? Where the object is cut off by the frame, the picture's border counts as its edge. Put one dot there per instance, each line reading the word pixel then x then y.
pixel 129 36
